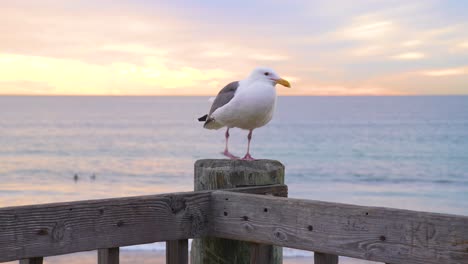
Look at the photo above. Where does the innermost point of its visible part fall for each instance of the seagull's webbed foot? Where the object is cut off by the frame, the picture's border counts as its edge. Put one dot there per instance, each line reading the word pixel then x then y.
pixel 229 155
pixel 248 157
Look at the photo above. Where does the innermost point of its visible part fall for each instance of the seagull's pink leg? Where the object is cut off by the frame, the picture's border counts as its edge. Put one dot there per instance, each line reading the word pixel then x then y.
pixel 247 155
pixel 226 151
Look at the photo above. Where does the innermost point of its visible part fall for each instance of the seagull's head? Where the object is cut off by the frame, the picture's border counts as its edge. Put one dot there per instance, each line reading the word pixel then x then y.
pixel 269 75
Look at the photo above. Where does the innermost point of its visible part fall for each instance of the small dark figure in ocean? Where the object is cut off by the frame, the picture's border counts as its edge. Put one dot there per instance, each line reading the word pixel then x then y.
pixel 93 177
pixel 75 177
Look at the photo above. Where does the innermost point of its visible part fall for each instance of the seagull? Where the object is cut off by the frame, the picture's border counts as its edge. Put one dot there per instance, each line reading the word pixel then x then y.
pixel 245 104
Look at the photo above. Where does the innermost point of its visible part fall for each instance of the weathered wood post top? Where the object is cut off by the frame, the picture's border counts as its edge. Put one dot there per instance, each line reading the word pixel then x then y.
pixel 212 174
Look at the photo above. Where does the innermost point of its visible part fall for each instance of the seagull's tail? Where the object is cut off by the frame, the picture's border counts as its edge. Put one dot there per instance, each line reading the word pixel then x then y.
pixel 203 118
pixel 212 124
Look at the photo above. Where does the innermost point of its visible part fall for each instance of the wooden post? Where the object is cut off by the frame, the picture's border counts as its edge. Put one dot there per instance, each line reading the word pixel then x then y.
pixel 261 254
pixel 108 256
pixel 323 258
pixel 177 251
pixel 213 174
pixel 37 260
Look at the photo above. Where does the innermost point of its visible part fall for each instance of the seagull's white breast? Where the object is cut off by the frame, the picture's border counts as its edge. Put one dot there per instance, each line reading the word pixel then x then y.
pixel 252 106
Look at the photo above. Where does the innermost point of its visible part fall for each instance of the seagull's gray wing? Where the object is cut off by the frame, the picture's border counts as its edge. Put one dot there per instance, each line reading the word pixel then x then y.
pixel 224 96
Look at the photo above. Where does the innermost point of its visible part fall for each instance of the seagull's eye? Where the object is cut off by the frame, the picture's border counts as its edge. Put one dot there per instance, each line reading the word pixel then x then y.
pixel 267 73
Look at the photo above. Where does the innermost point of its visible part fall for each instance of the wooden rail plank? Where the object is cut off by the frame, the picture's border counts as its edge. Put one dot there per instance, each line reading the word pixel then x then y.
pixel 372 233
pixel 62 228
pixel 177 251
pixel 280 190
pixel 54 229
pixel 108 256
pixel 37 260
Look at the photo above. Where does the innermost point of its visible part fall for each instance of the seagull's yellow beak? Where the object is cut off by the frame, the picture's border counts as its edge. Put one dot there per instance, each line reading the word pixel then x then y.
pixel 284 83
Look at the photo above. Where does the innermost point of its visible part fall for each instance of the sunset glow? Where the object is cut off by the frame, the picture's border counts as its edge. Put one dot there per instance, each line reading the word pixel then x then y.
pixel 55 47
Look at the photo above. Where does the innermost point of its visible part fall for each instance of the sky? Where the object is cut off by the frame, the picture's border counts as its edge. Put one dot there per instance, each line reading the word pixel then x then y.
pixel 147 47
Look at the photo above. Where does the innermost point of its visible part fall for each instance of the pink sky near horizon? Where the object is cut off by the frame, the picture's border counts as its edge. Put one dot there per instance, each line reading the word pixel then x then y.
pixel 143 47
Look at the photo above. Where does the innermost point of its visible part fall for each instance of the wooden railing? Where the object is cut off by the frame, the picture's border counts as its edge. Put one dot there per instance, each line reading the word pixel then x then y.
pixel 29 233
pixel 371 233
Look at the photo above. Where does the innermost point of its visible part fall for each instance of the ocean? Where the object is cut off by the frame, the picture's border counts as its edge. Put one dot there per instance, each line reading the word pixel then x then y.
pixel 403 152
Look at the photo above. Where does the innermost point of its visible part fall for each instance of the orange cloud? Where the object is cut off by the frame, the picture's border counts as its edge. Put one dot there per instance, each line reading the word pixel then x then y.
pixel 68 76
pixel 409 56
pixel 412 43
pixel 446 72
pixel 269 57
pixel 463 45
pixel 369 29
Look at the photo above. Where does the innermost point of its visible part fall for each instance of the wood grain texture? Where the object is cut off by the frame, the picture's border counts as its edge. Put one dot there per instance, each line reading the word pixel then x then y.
pixel 177 251
pixel 371 233
pixel 55 229
pixel 37 260
pixel 108 256
pixel 279 190
pixel 323 258
pixel 226 174
pixel 263 254
pixel 215 174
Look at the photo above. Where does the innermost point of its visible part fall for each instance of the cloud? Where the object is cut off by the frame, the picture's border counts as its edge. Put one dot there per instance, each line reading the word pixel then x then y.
pixel 26 87
pixel 412 43
pixel 463 45
pixel 24 73
pixel 409 56
pixel 269 57
pixel 442 81
pixel 446 72
pixel 387 33
pixel 365 28
pixel 134 48
pixel 216 54
pixel 368 51
pixel 347 89
pixel 291 79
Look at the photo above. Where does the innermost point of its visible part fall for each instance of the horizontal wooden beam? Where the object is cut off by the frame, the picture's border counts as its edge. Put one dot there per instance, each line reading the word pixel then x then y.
pixel 371 233
pixel 62 228
pixel 279 190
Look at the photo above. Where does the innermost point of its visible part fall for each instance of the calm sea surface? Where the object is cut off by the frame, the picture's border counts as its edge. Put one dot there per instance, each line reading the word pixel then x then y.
pixel 403 152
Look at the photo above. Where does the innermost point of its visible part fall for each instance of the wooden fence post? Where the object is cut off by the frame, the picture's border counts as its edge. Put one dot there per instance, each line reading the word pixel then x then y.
pixel 262 254
pixel 37 260
pixel 108 255
pixel 177 251
pixel 323 258
pixel 213 174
